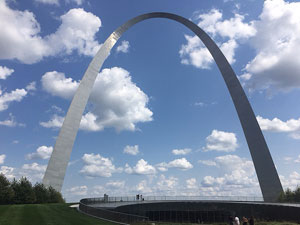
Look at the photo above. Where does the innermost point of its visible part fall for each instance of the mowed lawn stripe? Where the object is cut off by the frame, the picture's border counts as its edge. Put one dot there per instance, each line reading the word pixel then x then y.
pixel 45 214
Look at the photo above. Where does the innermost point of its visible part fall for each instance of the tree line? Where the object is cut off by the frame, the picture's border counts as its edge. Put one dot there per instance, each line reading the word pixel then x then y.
pixel 290 196
pixel 23 192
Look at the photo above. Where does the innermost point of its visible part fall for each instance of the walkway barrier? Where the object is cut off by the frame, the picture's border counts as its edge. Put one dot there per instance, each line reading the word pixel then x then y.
pixel 109 215
pixel 172 198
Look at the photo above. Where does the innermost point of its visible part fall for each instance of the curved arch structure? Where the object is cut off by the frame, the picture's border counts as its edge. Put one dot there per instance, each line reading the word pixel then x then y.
pixel 264 166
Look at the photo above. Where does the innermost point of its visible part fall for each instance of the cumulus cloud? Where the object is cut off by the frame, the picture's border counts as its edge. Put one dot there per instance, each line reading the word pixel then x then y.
pixel 141 168
pixel 77 2
pixel 11 122
pixel 98 166
pixel 123 47
pixel 34 171
pixel 57 84
pixel 116 101
pixel 166 184
pixel 183 151
pixel 131 150
pixel 221 141
pixel 49 2
pixel 238 173
pixel 275 65
pixel 230 30
pixel 291 181
pixel 42 152
pixel 21 31
pixel 143 187
pixel 5 72
pixel 291 126
pixel 55 122
pixel 182 164
pixel 207 162
pixel 31 86
pixel 115 184
pixel 2 158
pixel 8 172
pixel 77 190
pixel 191 183
pixel 6 98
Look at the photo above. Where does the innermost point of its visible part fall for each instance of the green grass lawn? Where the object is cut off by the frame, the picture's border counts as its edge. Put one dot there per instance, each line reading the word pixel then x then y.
pixel 62 214
pixel 45 214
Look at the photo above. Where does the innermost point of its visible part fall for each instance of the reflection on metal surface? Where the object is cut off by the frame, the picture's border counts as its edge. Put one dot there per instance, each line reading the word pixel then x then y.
pixel 264 166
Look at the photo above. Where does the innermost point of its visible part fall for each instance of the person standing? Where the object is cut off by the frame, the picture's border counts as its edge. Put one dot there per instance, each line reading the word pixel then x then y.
pixel 251 220
pixel 245 221
pixel 236 221
pixel 231 220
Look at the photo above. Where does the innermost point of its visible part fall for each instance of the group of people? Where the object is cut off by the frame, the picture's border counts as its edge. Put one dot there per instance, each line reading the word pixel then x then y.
pixel 245 221
pixel 139 197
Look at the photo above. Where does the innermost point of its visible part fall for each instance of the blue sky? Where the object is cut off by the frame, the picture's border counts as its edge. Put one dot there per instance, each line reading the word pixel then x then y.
pixel 160 120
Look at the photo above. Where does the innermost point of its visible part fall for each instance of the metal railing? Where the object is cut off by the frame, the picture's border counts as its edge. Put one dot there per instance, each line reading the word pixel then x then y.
pixel 121 218
pixel 102 210
pixel 173 198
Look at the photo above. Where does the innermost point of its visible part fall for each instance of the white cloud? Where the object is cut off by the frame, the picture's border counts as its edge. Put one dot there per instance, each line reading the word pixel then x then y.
pixel 6 98
pixel 76 33
pixel 34 171
pixel 166 184
pixel 199 104
pixel 77 190
pixel 98 166
pixel 42 152
pixel 182 164
pixel 291 126
pixel 207 162
pixel 221 141
pixel 238 174
pixel 276 65
pixel 131 150
pixel 31 86
pixel 123 47
pixel 183 151
pixel 115 184
pixel 55 122
pixel 195 53
pixel 297 160
pixel 291 181
pixel 34 167
pixel 277 125
pixel 20 30
pixel 143 187
pixel 117 101
pixel 50 2
pixel 2 158
pixel 191 183
pixel 57 84
pixel 141 168
pixel 8 172
pixel 78 2
pixel 5 72
pixel 11 122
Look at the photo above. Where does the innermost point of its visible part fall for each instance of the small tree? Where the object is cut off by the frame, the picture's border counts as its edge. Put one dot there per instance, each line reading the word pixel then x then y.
pixel 24 193
pixel 6 192
pixel 41 193
pixel 55 196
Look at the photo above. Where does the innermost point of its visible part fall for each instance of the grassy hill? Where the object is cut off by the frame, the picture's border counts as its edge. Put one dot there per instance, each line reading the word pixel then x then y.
pixel 45 214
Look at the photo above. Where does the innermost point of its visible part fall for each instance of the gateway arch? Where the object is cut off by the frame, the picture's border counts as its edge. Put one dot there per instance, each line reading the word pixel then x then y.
pixel 265 169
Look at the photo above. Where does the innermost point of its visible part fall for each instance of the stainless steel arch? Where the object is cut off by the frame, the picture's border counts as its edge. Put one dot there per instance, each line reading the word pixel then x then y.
pixel 264 166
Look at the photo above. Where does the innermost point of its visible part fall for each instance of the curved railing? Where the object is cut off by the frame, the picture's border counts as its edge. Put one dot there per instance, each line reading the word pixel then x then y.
pixel 109 215
pixel 172 198
pixel 99 207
